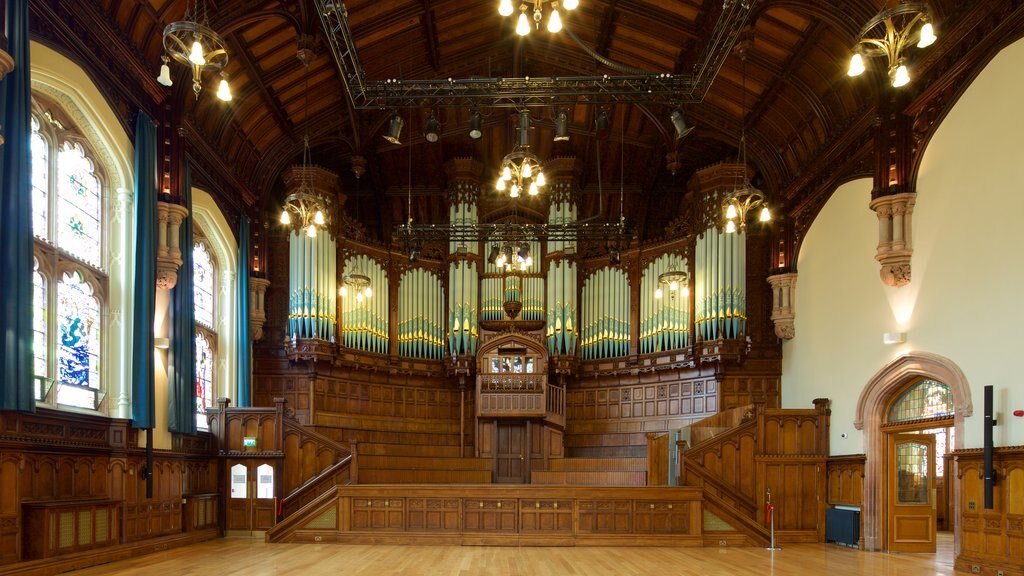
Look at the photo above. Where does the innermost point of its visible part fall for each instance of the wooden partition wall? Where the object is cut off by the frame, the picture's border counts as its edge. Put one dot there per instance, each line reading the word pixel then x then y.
pixel 73 491
pixel 991 541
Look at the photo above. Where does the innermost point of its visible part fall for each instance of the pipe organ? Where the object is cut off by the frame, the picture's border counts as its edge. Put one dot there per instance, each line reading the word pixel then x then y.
pixel 420 315
pixel 462 327
pixel 365 320
pixel 562 283
pixel 665 321
pixel 312 286
pixel 606 300
pixel 720 285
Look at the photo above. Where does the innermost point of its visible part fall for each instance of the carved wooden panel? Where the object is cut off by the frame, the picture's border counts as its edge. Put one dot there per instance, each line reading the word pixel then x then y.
pixel 845 480
pixel 378 514
pixel 661 518
pixel 434 514
pixel 489 515
pixel 545 515
pixel 606 516
pixel 992 540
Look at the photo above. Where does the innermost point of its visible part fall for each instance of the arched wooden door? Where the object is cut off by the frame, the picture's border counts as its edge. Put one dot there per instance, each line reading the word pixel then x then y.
pixel 912 493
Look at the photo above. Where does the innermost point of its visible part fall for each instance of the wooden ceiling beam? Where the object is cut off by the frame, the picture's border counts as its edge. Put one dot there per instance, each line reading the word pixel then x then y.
pixel 604 36
pixel 430 34
pixel 244 56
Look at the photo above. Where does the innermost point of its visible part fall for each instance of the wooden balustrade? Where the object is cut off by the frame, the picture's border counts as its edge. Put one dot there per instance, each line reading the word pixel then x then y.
pixel 500 516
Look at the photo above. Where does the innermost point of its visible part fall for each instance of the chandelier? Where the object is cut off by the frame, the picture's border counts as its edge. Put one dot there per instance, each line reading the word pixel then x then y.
pixel 305 209
pixel 512 256
pixel 676 281
pixel 888 34
pixel 523 25
pixel 193 43
pixel 520 169
pixel 744 198
pixel 358 284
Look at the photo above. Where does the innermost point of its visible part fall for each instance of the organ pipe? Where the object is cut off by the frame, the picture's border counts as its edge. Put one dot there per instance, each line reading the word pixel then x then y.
pixel 312 277
pixel 720 285
pixel 420 315
pixel 665 321
pixel 562 283
pixel 365 322
pixel 606 326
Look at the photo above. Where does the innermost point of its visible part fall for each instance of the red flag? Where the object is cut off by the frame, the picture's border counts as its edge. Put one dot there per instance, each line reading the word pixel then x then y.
pixel 768 509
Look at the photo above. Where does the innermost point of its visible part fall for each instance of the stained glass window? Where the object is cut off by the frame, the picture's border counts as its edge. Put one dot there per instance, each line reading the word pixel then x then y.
pixel 78 346
pixel 943 442
pixel 204 378
pixel 204 290
pixel 78 204
pixel 925 399
pixel 40 182
pixel 39 323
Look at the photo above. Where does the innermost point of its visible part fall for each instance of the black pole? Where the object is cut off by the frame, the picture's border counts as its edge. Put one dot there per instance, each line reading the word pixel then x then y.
pixel 990 476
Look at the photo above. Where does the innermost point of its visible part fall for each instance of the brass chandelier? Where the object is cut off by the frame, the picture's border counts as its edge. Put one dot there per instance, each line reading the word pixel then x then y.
pixel 523 24
pixel 520 170
pixel 193 43
pixel 305 209
pixel 888 34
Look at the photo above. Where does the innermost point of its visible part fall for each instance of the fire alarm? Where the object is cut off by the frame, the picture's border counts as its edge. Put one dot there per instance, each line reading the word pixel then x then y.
pixel 1018 413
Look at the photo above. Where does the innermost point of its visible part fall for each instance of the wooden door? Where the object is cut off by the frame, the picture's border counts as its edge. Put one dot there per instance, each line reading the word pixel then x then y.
pixel 251 503
pixel 510 453
pixel 912 493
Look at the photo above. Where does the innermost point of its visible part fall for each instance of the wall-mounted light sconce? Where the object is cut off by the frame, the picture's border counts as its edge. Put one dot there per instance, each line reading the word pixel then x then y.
pixel 894 338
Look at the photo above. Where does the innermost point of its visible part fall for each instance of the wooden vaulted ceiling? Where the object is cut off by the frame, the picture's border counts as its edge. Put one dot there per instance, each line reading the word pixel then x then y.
pixel 791 88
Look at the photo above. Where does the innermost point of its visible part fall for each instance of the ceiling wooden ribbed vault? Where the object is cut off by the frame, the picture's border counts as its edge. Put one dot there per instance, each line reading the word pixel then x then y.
pixel 808 124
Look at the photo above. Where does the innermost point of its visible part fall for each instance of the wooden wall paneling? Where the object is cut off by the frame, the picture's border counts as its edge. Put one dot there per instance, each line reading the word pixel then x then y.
pixel 845 480
pixel 10 508
pixel 798 494
pixel 991 540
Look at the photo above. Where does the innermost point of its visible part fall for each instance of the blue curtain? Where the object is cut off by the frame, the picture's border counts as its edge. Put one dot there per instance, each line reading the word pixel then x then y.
pixel 16 371
pixel 143 402
pixel 182 376
pixel 244 396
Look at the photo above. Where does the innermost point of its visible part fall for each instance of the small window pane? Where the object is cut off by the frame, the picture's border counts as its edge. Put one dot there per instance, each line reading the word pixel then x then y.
pixel 529 365
pixel 495 367
pixel 204 378
pixel 926 399
pixel 78 206
pixel 78 351
pixel 912 473
pixel 39 323
pixel 40 182
pixel 203 273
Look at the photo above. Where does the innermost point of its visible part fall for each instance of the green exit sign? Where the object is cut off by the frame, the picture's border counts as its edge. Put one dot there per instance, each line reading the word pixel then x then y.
pixel 249 442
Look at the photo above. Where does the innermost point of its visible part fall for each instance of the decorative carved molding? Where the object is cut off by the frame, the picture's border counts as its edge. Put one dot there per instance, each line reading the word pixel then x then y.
pixel 784 304
pixel 257 306
pixel 895 237
pixel 168 251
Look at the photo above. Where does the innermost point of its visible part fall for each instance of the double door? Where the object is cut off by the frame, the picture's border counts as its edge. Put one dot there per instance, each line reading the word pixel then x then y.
pixel 251 504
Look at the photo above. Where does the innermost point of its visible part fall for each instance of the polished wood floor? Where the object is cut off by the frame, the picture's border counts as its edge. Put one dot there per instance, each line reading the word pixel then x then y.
pixel 252 557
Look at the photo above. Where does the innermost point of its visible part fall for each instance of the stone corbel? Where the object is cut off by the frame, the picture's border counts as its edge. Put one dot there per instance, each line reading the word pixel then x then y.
pixel 257 306
pixel 784 304
pixel 168 250
pixel 895 239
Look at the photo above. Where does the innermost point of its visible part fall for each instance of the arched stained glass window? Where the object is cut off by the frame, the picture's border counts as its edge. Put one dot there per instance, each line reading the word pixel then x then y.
pixel 204 378
pixel 204 285
pixel 39 321
pixel 79 206
pixel 78 346
pixel 40 182
pixel 924 399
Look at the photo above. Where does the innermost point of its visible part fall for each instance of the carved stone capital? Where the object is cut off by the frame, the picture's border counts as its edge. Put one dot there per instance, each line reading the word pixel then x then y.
pixel 257 306
pixel 895 236
pixel 168 250
pixel 784 304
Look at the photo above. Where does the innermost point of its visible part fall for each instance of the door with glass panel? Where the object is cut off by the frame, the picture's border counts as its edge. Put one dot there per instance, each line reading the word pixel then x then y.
pixel 912 493
pixel 251 502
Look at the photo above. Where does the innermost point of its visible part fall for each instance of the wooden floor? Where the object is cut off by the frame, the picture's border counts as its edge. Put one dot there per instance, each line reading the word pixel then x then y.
pixel 252 557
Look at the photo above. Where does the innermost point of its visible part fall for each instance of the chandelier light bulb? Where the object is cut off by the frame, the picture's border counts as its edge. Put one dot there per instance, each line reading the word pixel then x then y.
pixel 196 56
pixel 359 297
pixel 286 218
pixel 685 292
pixel 900 76
pixel 856 65
pixel 500 261
pixel 311 231
pixel 541 181
pixel 730 227
pixel 523 26
pixel 730 211
pixel 224 91
pixel 533 189
pixel 318 218
pixel 165 75
pixel 500 185
pixel 368 292
pixel 527 170
pixel 505 8
pixel 506 174
pixel 570 4
pixel 657 293
pixel 554 22
pixel 514 191
pixel 766 215
pixel 342 292
pixel 528 262
pixel 927 36
pixel 673 286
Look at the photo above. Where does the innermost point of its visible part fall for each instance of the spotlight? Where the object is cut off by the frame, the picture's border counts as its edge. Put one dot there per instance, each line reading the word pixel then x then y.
pixel 414 255
pixel 602 125
pixel 474 125
pixel 433 126
pixel 615 257
pixel 492 258
pixel 679 121
pixel 395 129
pixel 562 125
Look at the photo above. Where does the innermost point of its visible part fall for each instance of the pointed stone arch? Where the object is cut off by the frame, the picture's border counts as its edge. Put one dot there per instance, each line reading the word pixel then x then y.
pixel 871 410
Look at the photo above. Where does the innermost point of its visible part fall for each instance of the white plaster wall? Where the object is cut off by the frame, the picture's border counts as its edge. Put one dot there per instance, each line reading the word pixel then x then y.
pixel 964 300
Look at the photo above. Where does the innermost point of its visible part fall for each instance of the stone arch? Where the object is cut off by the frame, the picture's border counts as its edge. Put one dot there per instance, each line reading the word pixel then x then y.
pixel 870 415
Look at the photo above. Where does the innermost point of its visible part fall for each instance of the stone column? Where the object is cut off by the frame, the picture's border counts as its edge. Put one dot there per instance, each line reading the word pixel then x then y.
pixel 784 304
pixel 895 239
pixel 168 250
